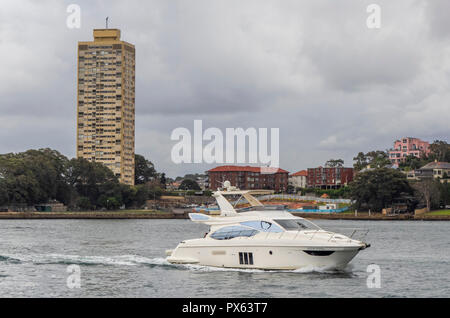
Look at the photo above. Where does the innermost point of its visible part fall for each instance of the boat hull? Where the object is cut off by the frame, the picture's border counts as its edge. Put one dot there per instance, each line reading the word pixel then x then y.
pixel 265 257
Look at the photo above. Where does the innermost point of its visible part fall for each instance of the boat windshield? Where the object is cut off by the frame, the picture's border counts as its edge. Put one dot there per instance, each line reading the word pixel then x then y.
pixel 229 232
pixel 297 225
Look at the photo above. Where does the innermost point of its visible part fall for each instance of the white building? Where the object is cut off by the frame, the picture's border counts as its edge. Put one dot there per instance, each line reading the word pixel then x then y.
pixel 299 179
pixel 437 170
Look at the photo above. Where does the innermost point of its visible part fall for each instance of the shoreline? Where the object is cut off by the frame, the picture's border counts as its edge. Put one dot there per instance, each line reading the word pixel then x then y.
pixel 89 215
pixel 120 215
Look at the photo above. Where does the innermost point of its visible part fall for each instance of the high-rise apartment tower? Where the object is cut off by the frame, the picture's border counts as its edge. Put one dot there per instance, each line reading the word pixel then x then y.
pixel 106 103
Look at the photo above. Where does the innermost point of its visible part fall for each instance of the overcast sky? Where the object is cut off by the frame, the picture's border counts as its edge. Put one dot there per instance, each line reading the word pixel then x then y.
pixel 313 68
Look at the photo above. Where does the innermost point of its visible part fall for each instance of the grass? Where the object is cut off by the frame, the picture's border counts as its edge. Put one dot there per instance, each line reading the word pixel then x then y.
pixel 349 212
pixel 439 212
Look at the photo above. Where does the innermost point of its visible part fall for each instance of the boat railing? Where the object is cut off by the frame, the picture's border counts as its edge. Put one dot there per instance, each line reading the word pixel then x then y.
pixel 274 233
pixel 281 234
pixel 331 236
pixel 363 232
pixel 351 237
pixel 313 233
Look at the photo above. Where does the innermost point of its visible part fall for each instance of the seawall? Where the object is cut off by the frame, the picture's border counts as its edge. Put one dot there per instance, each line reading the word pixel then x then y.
pixel 90 215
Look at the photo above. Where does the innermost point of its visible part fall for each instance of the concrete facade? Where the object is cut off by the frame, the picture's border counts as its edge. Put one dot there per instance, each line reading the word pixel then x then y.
pixel 106 103
pixel 299 179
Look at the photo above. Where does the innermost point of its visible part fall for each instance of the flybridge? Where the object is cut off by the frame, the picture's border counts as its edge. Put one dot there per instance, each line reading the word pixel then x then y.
pixel 226 208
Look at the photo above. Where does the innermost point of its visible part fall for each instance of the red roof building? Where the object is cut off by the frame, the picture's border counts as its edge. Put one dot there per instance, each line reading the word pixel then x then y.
pixel 302 173
pixel 299 179
pixel 329 178
pixel 248 178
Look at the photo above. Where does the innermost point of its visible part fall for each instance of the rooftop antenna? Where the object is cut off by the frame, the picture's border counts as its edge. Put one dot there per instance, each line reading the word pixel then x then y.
pixel 107 18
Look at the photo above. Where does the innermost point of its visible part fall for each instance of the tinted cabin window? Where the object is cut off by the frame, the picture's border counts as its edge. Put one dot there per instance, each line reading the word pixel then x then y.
pixel 229 232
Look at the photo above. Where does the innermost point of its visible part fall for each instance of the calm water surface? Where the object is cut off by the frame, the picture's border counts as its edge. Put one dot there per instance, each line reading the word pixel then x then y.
pixel 125 258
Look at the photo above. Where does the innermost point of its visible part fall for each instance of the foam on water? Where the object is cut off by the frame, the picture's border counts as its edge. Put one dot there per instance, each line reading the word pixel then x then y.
pixel 136 260
pixel 42 259
pixel 305 270
pixel 7 259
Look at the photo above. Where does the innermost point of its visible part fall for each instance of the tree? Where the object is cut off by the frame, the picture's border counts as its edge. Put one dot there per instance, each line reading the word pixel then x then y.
pixel 109 203
pixel 428 189
pixel 189 184
pixel 142 194
pixel 34 176
pixel 411 162
pixel 144 170
pixel 3 193
pixel 40 176
pixel 91 180
pixel 154 189
pixel 163 180
pixel 440 151
pixel 332 163
pixel 290 189
pixel 84 203
pixel 341 193
pixel 377 188
pixel 22 189
pixel 360 161
pixel 374 159
pixel 444 190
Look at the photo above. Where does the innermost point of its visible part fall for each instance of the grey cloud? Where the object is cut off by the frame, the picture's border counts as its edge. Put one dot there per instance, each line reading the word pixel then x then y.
pixel 349 56
pixel 437 14
pixel 310 68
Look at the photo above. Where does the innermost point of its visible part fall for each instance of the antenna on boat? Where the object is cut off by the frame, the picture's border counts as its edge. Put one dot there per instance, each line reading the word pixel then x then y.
pixel 226 185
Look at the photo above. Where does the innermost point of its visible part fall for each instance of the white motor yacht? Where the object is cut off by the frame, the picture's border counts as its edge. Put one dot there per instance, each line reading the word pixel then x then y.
pixel 261 238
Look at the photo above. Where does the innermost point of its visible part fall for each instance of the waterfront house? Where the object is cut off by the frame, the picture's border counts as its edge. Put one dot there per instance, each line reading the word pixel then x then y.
pixel 437 170
pixel 408 146
pixel 329 177
pixel 299 179
pixel 248 178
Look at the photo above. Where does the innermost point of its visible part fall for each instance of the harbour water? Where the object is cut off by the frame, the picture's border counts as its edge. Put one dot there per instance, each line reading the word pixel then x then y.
pixel 126 258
